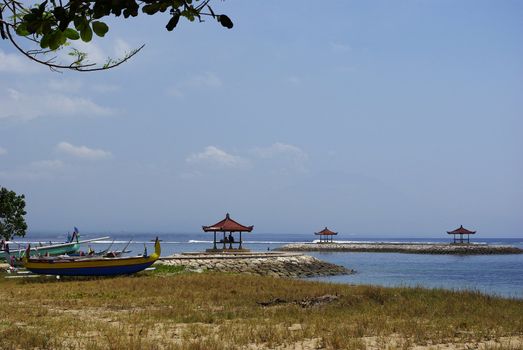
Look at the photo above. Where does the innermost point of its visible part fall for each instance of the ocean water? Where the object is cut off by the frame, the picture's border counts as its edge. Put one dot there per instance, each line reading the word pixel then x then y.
pixel 492 274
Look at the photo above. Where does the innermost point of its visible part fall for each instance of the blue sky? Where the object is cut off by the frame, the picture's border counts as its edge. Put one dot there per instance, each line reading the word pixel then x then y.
pixel 370 117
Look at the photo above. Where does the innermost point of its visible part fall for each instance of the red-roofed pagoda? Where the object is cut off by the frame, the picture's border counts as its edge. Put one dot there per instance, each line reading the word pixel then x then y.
pixel 461 231
pixel 325 235
pixel 227 225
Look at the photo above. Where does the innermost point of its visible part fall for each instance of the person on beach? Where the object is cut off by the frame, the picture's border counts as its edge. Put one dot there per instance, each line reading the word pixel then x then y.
pixel 231 238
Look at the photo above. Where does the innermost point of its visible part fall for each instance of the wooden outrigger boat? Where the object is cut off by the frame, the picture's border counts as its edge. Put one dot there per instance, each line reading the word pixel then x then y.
pixel 85 266
pixel 51 249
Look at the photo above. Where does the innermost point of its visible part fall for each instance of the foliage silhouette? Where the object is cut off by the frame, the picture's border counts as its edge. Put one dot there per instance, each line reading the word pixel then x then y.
pixel 12 222
pixel 55 24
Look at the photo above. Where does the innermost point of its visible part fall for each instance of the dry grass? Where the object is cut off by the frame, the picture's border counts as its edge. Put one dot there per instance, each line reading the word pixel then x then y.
pixel 220 311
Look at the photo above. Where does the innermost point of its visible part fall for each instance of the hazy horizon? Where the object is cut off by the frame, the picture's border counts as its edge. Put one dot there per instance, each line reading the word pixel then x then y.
pixel 255 234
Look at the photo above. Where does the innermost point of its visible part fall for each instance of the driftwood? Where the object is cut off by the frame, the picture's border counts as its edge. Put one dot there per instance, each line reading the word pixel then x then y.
pixel 305 303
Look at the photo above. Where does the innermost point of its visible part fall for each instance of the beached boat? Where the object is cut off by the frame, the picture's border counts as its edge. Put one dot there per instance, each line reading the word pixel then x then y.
pixel 106 253
pixel 85 266
pixel 50 249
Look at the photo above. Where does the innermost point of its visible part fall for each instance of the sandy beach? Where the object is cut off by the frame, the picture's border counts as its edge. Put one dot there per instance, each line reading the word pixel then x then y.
pixel 173 309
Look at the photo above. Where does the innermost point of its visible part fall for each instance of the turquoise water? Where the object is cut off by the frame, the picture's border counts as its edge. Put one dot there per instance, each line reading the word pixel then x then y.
pixel 492 274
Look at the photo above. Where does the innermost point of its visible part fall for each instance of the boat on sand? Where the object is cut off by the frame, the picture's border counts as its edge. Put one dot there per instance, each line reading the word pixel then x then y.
pixel 86 266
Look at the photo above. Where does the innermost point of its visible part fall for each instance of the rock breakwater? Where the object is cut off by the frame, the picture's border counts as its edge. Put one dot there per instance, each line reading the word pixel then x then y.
pixel 411 248
pixel 290 265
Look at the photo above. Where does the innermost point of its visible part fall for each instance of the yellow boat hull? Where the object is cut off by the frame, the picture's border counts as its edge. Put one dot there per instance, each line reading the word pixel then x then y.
pixel 91 266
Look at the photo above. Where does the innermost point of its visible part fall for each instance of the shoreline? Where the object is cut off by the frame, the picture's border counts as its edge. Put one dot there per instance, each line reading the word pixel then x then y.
pixel 408 248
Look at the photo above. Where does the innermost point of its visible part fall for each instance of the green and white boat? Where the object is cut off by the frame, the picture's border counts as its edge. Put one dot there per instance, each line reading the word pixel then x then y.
pixel 52 249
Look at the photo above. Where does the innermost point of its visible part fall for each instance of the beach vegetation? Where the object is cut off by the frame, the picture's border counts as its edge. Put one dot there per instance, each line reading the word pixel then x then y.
pixel 12 211
pixel 174 310
pixel 164 269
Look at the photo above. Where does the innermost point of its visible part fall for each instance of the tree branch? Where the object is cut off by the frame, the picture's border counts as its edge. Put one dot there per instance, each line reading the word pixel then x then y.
pixel 79 68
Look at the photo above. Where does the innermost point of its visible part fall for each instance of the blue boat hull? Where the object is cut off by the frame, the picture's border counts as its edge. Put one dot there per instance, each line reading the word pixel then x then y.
pixel 94 271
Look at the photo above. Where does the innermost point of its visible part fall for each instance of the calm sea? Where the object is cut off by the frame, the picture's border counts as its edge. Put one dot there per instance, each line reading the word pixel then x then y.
pixel 493 274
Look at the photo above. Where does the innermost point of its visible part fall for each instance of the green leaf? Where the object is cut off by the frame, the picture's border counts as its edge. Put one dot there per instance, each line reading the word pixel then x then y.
pixel 41 7
pixel 22 29
pixel 44 42
pixel 63 38
pixel 32 27
pixel 56 39
pixel 86 34
pixel 151 9
pixel 45 27
pixel 30 17
pixel 225 21
pixel 100 28
pixel 72 34
pixel 173 22
pixel 80 23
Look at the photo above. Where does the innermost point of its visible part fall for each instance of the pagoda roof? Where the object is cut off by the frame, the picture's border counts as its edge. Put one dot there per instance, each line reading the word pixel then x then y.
pixel 326 232
pixel 461 231
pixel 227 225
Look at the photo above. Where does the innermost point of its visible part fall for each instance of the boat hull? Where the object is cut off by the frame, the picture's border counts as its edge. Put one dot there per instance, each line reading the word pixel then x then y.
pixel 91 266
pixel 91 271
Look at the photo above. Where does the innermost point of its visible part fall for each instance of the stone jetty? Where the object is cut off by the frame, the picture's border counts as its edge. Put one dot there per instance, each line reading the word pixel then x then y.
pixel 281 264
pixel 411 248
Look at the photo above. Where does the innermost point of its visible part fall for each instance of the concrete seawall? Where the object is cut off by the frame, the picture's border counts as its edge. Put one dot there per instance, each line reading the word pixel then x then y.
pixel 291 265
pixel 458 249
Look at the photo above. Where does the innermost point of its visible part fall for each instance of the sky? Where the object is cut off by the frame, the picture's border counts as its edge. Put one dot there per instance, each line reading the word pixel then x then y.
pixel 381 117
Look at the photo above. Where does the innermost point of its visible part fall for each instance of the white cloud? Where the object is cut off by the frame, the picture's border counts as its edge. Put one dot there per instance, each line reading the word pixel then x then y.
pixel 281 157
pixel 175 92
pixel 214 155
pixel 74 105
pixel 95 54
pixel 279 148
pixel 16 63
pixel 37 170
pixel 65 85
pixel 47 164
pixel 3 151
pixel 69 86
pixel 82 151
pixel 121 48
pixel 27 105
pixel 206 80
pixel 292 156
pixel 105 88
